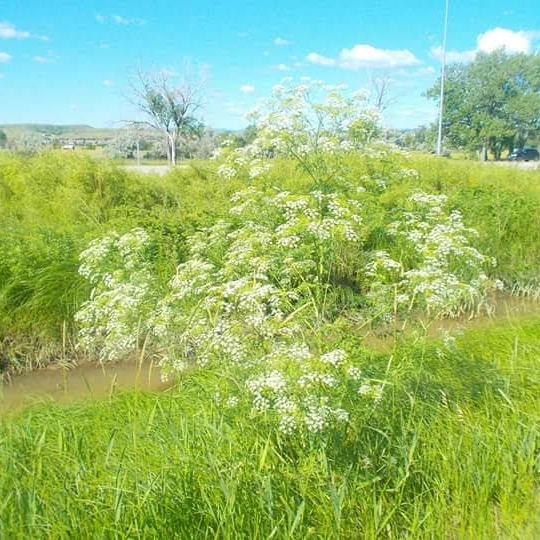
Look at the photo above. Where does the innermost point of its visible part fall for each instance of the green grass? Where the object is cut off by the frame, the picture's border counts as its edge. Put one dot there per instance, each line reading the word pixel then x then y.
pixel 452 451
pixel 53 204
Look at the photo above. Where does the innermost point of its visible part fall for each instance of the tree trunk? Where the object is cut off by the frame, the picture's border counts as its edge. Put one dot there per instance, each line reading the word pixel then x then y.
pixel 171 149
pixel 168 149
pixel 482 154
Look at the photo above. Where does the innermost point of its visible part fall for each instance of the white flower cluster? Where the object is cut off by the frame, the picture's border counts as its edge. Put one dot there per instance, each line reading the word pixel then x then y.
pixel 226 171
pixel 233 313
pixel 303 121
pixel 445 274
pixel 334 358
pixel 313 399
pixel 114 319
pixel 372 390
pixel 320 417
pixel 270 260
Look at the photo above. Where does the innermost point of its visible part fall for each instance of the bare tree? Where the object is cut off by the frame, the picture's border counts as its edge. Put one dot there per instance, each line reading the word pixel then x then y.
pixel 379 90
pixel 169 103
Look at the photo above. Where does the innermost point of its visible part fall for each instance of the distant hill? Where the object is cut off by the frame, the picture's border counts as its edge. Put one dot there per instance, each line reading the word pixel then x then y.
pixel 78 131
pixel 73 131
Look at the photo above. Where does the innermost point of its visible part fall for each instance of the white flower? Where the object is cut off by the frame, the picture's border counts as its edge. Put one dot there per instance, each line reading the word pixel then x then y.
pixel 226 172
pixel 231 402
pixel 335 358
pixel 354 372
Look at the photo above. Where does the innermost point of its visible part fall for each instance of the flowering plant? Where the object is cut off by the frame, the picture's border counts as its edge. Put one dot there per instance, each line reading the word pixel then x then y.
pixel 256 284
pixel 437 270
pixel 313 123
pixel 113 319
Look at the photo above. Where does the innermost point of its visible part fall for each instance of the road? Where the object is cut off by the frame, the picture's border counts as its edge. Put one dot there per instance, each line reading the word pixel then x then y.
pixel 160 170
pixel 516 164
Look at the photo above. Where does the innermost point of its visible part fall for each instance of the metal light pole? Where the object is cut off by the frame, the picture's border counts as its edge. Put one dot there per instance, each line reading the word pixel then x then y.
pixel 443 72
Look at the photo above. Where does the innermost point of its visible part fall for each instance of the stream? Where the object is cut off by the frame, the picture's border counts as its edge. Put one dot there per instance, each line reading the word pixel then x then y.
pixel 86 381
pixel 93 380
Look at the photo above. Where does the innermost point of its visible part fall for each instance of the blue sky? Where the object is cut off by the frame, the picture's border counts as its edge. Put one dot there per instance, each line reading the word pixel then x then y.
pixel 70 62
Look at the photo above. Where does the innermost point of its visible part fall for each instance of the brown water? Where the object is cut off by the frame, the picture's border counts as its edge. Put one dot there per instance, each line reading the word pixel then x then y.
pixel 506 309
pixel 88 380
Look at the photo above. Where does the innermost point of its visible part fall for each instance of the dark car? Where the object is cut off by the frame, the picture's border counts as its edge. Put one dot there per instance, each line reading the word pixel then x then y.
pixel 523 154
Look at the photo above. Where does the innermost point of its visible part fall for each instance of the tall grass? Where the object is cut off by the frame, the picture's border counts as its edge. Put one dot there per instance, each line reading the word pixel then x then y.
pixel 52 205
pixel 451 452
pixel 502 203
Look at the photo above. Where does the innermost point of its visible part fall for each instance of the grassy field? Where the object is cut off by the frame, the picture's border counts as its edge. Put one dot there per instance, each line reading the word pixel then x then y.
pixel 450 452
pixel 448 449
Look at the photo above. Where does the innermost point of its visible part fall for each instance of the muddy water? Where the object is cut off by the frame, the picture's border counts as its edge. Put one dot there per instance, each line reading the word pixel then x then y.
pixel 506 309
pixel 84 381
pixel 93 380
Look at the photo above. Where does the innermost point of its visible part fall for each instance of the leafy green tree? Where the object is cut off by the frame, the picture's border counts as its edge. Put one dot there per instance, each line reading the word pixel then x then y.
pixel 3 139
pixel 493 103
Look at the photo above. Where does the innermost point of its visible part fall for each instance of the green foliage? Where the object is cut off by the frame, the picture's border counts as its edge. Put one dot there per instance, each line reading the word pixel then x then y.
pixel 313 433
pixel 502 204
pixel 492 103
pixel 53 204
pixel 451 451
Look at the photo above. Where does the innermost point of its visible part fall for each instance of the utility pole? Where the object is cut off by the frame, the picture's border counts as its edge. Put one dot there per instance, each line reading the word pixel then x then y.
pixel 443 72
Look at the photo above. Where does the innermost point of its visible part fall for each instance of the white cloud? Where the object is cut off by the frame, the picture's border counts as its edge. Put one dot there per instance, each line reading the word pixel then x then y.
pixel 122 20
pixel 42 60
pixel 316 58
pixel 454 57
pixel 520 41
pixel 366 56
pixel 108 82
pixel 118 19
pixel 247 89
pixel 497 38
pixel 417 72
pixel 48 59
pixel 281 42
pixel 8 31
pixel 283 67
pixel 4 57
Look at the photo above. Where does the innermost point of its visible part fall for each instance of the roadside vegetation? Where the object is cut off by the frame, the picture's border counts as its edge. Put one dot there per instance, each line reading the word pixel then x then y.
pixel 450 452
pixel 251 280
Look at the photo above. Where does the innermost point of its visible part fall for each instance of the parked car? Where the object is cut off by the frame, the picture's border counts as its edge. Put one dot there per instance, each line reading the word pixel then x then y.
pixel 523 154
